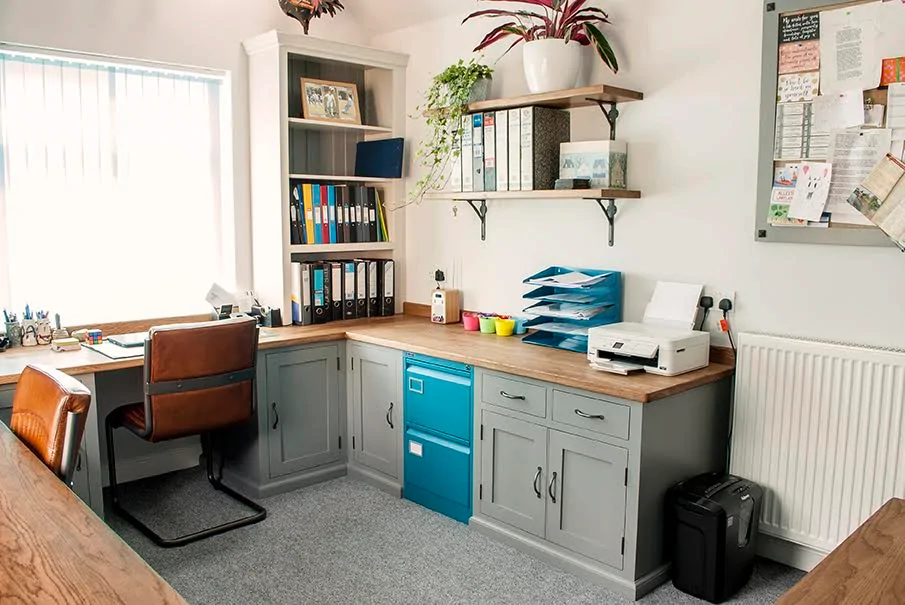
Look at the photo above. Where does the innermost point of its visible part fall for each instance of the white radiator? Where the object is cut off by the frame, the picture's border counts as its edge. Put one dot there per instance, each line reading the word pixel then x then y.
pixel 820 426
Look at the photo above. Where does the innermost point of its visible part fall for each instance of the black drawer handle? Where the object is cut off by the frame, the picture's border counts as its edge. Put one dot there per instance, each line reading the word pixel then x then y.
pixel 516 397
pixel 78 463
pixel 589 416
pixel 390 416
pixel 276 415
pixel 537 483
pixel 551 489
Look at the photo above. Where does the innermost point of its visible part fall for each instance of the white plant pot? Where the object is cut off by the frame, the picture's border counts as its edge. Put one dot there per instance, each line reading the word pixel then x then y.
pixel 552 64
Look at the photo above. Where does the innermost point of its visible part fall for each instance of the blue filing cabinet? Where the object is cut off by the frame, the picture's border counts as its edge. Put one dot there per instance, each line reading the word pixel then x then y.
pixel 438 435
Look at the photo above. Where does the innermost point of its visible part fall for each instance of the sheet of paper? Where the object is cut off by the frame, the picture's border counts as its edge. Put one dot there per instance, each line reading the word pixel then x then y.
pixel 849 53
pixel 892 24
pixel 799 28
pixel 838 111
pixel 895 110
pixel 811 191
pixel 786 176
pixel 799 56
pixel 674 304
pixel 218 296
pixel 881 198
pixel 853 155
pixel 794 88
pixel 570 280
pixel 897 149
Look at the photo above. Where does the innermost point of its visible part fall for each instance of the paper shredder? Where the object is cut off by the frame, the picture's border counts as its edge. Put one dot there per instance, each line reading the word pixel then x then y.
pixel 711 533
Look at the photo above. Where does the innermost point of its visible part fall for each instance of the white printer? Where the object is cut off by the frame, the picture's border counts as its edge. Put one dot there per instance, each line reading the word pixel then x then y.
pixel 665 341
pixel 627 347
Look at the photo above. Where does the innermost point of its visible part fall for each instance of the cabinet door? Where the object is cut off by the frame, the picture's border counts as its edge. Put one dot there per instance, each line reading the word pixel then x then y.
pixel 302 409
pixel 376 409
pixel 513 454
pixel 586 493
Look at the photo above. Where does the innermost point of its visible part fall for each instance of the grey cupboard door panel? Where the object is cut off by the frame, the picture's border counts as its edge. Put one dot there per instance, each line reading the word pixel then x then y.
pixel 512 472
pixel 302 409
pixel 377 413
pixel 588 514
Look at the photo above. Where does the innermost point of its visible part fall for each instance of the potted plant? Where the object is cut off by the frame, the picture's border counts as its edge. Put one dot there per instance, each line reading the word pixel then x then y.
pixel 445 103
pixel 306 10
pixel 553 39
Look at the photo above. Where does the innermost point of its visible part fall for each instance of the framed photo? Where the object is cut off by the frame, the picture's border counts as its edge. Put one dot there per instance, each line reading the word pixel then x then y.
pixel 330 101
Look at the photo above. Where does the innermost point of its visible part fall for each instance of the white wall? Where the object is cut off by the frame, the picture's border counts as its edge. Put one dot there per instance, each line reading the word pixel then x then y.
pixel 203 33
pixel 693 147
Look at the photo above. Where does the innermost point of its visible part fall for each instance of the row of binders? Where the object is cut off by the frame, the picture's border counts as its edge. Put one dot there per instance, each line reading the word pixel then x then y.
pixel 324 291
pixel 509 150
pixel 336 214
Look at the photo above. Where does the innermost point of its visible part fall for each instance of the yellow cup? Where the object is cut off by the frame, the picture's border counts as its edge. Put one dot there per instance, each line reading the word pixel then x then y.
pixel 505 327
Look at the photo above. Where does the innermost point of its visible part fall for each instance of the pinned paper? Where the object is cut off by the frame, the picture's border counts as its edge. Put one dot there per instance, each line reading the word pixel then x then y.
pixel 799 56
pixel 811 191
pixel 849 48
pixel 838 111
pixel 798 87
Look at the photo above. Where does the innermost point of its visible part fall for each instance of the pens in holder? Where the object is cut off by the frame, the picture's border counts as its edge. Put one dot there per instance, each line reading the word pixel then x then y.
pixel 5 316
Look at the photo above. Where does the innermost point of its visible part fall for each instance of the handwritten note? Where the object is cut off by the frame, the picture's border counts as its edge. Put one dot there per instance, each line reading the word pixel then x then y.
pixel 799 56
pixel 799 28
pixel 798 87
pixel 838 111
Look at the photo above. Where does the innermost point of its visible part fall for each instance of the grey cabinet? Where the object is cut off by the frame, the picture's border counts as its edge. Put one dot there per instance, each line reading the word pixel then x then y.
pixel 376 404
pixel 513 458
pixel 303 409
pixel 586 496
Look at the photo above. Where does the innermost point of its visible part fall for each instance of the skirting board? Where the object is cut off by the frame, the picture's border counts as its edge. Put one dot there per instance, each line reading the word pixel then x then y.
pixel 571 563
pixel 160 463
pixel 788 553
pixel 284 484
pixel 378 480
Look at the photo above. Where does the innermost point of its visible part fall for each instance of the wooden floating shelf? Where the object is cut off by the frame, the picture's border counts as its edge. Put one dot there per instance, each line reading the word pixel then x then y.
pixel 303 124
pixel 588 96
pixel 339 179
pixel 550 194
pixel 342 248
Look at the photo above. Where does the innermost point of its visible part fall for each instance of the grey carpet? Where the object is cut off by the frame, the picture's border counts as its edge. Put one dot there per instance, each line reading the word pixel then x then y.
pixel 346 542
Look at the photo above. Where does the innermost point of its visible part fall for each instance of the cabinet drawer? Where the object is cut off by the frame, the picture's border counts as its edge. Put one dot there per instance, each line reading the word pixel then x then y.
pixel 591 414
pixel 438 474
pixel 514 395
pixel 438 400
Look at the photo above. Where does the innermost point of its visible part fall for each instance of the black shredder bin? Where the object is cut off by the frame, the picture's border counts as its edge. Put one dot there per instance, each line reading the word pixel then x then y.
pixel 711 532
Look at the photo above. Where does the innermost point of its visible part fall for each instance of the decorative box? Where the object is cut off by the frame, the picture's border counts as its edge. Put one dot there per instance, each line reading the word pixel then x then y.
pixel 893 71
pixel 604 162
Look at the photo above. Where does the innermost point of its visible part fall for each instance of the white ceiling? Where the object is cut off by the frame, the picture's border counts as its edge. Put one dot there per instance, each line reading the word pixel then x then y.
pixel 381 16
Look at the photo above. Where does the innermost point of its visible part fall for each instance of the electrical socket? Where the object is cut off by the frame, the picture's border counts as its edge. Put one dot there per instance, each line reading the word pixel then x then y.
pixel 715 315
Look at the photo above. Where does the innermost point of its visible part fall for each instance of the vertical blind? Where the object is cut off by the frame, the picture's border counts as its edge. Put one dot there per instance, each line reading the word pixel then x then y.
pixel 110 179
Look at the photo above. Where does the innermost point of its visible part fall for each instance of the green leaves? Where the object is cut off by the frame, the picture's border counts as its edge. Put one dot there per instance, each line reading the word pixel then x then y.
pixel 603 47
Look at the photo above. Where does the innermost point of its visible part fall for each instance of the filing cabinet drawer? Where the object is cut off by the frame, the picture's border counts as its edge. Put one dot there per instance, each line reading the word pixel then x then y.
pixel 591 414
pixel 514 395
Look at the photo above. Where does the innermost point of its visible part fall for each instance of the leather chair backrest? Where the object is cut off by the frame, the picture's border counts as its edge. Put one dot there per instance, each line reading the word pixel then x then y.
pixel 42 402
pixel 177 356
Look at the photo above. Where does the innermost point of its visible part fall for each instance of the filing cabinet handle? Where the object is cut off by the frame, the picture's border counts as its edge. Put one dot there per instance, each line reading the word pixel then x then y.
pixel 508 396
pixel 589 416
pixel 276 415
pixel 551 489
pixel 390 416
pixel 536 483
pixel 78 463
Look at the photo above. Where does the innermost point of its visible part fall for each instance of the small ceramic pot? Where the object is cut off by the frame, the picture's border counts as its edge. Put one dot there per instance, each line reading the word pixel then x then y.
pixel 14 333
pixel 29 333
pixel 551 64
pixel 45 331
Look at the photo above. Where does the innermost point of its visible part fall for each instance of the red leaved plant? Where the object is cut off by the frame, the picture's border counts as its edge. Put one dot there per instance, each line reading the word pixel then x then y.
pixel 568 20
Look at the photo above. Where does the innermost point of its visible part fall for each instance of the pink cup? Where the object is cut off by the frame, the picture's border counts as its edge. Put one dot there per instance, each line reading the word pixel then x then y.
pixel 471 322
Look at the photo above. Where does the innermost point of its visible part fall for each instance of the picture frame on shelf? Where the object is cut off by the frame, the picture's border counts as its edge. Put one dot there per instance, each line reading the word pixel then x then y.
pixel 329 101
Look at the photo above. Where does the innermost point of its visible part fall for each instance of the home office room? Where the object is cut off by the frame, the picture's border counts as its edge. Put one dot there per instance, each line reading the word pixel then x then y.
pixel 463 301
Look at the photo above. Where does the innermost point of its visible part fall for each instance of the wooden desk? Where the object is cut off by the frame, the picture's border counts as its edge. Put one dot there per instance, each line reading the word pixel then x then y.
pixel 869 567
pixel 53 549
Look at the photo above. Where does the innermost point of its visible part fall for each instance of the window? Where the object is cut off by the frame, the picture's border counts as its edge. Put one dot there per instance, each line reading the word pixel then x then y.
pixel 111 187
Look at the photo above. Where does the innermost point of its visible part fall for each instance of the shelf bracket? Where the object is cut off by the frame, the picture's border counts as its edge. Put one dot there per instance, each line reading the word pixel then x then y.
pixel 482 214
pixel 611 114
pixel 609 211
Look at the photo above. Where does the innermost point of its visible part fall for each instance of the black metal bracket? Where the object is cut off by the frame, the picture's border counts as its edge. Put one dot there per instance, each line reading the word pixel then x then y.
pixel 611 114
pixel 609 211
pixel 482 214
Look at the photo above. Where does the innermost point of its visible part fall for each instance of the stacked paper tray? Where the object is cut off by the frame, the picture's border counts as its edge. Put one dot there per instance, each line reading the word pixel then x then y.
pixel 568 302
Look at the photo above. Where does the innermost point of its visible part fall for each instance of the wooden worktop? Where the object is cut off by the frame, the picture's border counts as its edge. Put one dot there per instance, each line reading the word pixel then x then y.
pixel 866 568
pixel 418 335
pixel 53 549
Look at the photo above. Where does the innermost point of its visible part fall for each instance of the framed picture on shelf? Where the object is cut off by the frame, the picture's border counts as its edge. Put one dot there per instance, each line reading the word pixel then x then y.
pixel 330 101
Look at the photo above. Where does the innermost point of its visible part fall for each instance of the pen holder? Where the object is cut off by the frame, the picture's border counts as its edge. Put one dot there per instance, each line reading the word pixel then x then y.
pixel 29 333
pixel 488 325
pixel 14 333
pixel 45 331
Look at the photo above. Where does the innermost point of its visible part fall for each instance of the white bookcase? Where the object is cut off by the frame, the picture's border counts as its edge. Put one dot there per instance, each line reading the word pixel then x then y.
pixel 286 147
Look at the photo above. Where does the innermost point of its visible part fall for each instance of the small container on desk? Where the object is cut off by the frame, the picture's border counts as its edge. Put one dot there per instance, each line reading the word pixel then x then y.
pixel 566 309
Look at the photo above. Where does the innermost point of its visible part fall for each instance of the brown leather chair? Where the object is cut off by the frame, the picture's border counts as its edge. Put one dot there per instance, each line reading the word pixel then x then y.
pixel 199 378
pixel 49 413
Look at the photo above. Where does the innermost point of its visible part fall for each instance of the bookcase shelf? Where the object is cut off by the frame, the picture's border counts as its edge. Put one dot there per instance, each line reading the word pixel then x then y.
pixel 303 124
pixel 332 178
pixel 342 248
pixel 571 98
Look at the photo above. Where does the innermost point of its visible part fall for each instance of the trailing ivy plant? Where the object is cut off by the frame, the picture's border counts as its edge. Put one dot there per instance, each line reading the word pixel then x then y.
pixel 445 103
